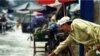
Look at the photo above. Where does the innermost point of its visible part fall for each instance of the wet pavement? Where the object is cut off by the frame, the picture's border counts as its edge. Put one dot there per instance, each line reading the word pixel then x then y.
pixel 15 43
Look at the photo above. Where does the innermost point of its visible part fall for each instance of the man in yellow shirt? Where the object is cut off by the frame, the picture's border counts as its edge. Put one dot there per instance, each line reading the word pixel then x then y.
pixel 81 32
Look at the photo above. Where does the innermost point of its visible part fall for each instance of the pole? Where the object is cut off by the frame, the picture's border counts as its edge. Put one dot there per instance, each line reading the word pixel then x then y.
pixel 64 8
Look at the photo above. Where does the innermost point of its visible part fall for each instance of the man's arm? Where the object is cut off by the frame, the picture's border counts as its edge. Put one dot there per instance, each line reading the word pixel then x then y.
pixel 62 45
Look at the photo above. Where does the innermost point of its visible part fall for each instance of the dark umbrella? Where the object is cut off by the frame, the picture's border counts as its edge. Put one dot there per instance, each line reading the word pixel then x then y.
pixel 46 12
pixel 30 6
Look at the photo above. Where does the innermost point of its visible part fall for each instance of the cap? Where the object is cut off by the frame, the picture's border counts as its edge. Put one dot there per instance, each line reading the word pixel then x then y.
pixel 63 20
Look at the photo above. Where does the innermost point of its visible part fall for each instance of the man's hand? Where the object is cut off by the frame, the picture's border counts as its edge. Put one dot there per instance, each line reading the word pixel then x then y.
pixel 52 54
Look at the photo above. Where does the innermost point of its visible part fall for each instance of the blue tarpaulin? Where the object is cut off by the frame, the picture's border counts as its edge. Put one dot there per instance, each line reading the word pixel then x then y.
pixel 87 13
pixel 37 21
pixel 87 10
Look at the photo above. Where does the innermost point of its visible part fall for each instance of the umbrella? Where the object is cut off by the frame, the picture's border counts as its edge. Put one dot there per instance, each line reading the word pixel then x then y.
pixel 30 16
pixel 48 9
pixel 53 1
pixel 45 1
pixel 30 6
pixel 57 2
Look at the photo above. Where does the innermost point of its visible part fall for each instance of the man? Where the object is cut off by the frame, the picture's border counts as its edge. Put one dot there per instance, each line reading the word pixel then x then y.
pixel 3 22
pixel 81 32
pixel 3 18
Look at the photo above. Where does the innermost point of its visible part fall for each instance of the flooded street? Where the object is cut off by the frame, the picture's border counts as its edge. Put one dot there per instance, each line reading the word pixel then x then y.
pixel 15 43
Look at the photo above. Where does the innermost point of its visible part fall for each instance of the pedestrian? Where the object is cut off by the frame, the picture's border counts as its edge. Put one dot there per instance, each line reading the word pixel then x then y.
pixel 3 22
pixel 3 18
pixel 18 23
pixel 81 32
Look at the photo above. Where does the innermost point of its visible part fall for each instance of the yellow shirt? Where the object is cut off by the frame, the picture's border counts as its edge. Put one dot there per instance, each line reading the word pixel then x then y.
pixel 83 32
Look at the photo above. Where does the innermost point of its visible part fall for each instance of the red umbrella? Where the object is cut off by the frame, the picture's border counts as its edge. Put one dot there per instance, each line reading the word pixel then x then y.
pixel 45 1
pixel 53 1
pixel 67 1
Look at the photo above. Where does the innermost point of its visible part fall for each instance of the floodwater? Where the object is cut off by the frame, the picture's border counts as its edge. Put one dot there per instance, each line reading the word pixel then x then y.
pixel 15 43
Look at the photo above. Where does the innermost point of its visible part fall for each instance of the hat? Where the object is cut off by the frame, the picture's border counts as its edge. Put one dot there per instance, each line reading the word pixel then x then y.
pixel 63 20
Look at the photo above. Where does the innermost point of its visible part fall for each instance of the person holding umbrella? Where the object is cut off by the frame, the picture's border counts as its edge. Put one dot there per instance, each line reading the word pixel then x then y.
pixel 80 31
